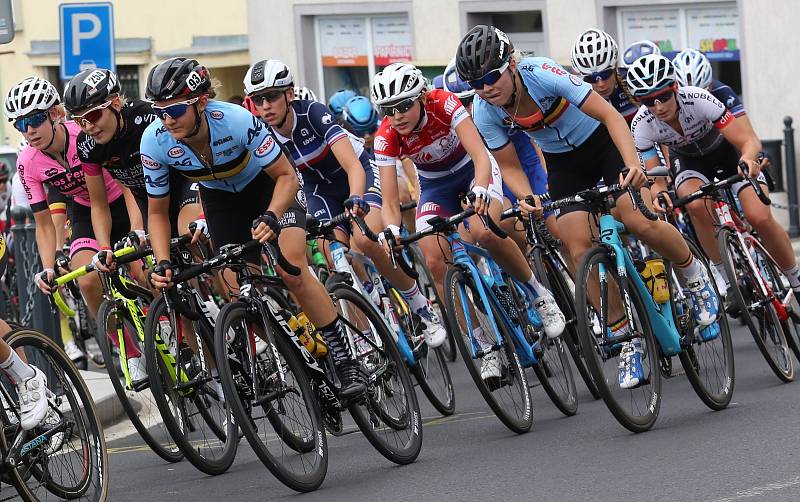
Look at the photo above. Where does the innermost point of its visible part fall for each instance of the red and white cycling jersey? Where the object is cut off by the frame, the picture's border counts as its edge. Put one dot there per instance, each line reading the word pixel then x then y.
pixel 434 147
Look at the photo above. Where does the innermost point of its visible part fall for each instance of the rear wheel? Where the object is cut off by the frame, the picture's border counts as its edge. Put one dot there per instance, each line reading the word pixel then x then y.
pixel 428 287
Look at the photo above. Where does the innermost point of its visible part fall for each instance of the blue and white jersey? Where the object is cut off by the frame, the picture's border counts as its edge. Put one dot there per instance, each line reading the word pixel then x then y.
pixel 241 147
pixel 315 131
pixel 558 94
pixel 728 98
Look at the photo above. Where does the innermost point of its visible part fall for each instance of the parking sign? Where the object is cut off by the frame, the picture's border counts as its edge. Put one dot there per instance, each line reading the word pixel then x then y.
pixel 87 37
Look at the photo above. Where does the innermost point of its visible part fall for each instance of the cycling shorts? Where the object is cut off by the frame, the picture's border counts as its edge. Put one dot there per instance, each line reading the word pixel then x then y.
pixel 183 191
pixel 720 163
pixel 443 196
pixel 80 217
pixel 326 201
pixel 570 172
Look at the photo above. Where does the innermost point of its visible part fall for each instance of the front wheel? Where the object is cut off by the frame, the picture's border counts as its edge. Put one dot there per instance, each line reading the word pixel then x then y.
pixel 598 284
pixel 427 285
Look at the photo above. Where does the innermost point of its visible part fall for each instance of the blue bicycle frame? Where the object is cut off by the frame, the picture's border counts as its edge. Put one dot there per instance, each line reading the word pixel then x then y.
pixel 661 318
pixel 461 257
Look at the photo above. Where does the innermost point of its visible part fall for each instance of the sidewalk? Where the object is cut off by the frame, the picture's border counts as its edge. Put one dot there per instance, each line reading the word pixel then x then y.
pixel 109 410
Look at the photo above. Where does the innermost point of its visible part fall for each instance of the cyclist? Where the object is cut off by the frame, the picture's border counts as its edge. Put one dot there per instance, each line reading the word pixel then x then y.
pixel 51 158
pixel 433 128
pixel 639 49
pixel 112 129
pixel 337 174
pixel 337 101
pixel 594 56
pixel 360 117
pixel 583 138
pixel 243 176
pixel 704 139
pixel 30 381
pixel 301 92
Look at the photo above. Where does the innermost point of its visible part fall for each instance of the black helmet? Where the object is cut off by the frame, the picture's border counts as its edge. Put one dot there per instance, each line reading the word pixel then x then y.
pixel 177 77
pixel 90 88
pixel 485 48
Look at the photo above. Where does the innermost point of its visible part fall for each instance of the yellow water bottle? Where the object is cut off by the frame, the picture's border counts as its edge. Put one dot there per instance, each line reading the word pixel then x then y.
pixel 306 332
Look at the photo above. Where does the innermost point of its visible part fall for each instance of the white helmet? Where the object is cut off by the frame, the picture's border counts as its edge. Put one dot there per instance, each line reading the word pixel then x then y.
pixel 692 68
pixel 649 74
pixel 639 49
pixel 266 75
pixel 301 92
pixel 32 94
pixel 594 51
pixel 397 82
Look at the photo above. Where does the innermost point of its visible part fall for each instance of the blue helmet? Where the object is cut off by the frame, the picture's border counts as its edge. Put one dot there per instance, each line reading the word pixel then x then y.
pixel 360 115
pixel 338 99
pixel 438 82
pixel 639 49
pixel 454 83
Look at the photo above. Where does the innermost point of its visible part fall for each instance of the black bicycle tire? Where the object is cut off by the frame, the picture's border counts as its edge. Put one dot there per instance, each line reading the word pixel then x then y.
pixel 448 347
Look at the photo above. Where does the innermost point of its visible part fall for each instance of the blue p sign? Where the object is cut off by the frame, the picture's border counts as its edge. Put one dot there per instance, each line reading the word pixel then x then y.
pixel 87 37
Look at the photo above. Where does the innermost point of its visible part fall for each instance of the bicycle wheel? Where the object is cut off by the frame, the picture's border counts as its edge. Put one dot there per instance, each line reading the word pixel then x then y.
pixel 191 402
pixel 428 287
pixel 508 396
pixel 554 280
pixel 389 414
pixel 112 321
pixel 757 311
pixel 273 385
pixel 70 460
pixel 430 370
pixel 708 364
pixel 635 409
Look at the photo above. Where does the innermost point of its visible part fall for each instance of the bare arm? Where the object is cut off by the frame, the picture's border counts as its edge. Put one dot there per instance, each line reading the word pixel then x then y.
pixel 513 175
pixel 391 196
pixel 745 140
pixel 356 177
pixel 45 237
pixel 286 185
pixel 600 109
pixel 471 139
pixel 134 214
pixel 159 226
pixel 101 213
pixel 411 173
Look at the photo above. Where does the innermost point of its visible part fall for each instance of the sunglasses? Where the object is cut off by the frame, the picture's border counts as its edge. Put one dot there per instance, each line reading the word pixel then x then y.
pixel 401 107
pixel 91 116
pixel 269 96
pixel 598 76
pixel 175 110
pixel 33 121
pixel 490 78
pixel 660 97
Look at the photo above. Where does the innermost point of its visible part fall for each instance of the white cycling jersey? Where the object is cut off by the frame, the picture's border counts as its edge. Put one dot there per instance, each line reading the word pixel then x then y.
pixel 701 117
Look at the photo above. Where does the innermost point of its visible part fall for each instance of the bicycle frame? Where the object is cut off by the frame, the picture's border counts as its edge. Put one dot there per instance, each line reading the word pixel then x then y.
pixel 461 257
pixel 661 318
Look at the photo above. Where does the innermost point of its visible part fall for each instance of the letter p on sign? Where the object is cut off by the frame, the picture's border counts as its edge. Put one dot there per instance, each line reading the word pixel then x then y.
pixel 78 35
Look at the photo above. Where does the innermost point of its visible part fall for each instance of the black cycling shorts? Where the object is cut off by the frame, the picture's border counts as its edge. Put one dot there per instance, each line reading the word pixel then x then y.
pixel 80 218
pixel 720 163
pixel 570 172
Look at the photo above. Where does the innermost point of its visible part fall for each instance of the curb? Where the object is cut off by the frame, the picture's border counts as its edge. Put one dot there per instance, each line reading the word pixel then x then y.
pixel 109 409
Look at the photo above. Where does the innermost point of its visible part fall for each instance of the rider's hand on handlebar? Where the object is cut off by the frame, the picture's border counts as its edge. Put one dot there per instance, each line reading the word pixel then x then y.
pixel 103 260
pixel 479 199
pixel 266 227
pixel 662 202
pixel 753 167
pixel 356 205
pixel 635 177
pixel 45 279
pixel 531 204
pixel 161 275
pixel 389 241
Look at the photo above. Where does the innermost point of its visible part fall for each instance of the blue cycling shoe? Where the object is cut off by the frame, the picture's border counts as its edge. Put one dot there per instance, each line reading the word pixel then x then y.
pixel 631 372
pixel 704 299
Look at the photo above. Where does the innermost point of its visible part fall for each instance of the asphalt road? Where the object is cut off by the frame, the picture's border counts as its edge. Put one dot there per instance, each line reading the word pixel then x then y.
pixel 747 452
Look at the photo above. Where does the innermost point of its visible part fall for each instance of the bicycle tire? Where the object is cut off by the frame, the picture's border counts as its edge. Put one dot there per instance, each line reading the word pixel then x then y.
pixel 94 453
pixel 555 282
pixel 651 402
pixel 701 369
pixel 746 293
pixel 318 464
pixel 428 287
pixel 167 397
pixel 406 444
pixel 457 280
pixel 110 310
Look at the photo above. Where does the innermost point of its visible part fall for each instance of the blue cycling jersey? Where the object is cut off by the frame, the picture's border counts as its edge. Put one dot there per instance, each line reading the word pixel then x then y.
pixel 558 94
pixel 241 147
pixel 315 130
pixel 728 98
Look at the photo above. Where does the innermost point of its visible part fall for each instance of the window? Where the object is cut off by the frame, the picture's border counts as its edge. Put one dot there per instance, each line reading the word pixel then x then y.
pixel 129 80
pixel 352 49
pixel 524 27
pixel 518 22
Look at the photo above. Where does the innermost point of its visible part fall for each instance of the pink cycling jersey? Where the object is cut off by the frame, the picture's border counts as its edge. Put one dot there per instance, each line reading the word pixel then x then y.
pixel 36 169
pixel 434 146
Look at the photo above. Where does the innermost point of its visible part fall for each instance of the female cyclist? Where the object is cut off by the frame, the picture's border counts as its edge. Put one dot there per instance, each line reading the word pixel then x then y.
pixel 243 176
pixel 583 139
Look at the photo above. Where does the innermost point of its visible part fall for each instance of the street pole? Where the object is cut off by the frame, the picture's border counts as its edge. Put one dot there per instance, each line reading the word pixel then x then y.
pixel 791 178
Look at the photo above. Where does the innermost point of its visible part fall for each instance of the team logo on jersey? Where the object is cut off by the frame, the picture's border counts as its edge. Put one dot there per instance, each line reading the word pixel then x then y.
pixel 149 163
pixel 575 80
pixel 429 207
pixel 158 182
pixel 216 114
pixel 553 69
pixel 51 172
pixel 266 146
pixel 451 104
pixel 137 120
pixel 380 143
pixel 222 140
pixel 327 119
pixel 730 101
pixel 176 152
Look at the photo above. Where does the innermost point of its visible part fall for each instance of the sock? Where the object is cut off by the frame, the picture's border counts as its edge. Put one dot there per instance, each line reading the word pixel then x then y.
pixel 537 287
pixel 691 268
pixel 337 342
pixel 721 271
pixel 620 326
pixel 415 298
pixel 793 274
pixel 16 368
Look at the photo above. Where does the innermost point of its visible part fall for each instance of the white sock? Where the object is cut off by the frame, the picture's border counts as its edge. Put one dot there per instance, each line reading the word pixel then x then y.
pixel 415 298
pixel 692 270
pixel 722 273
pixel 793 274
pixel 16 368
pixel 537 286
